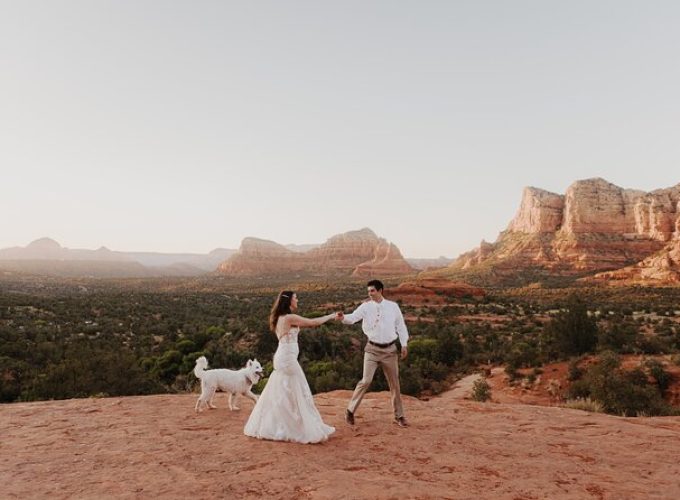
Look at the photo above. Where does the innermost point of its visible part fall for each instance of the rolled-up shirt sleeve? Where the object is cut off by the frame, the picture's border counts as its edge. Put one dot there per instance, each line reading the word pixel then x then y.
pixel 400 326
pixel 357 315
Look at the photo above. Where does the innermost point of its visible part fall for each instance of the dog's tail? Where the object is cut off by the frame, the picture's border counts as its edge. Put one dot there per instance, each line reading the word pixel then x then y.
pixel 201 365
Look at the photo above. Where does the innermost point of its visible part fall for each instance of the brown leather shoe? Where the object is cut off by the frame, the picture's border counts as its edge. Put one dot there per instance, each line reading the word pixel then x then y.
pixel 349 417
pixel 401 421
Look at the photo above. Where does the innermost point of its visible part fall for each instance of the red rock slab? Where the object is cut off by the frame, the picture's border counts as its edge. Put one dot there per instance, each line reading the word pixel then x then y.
pixel 156 447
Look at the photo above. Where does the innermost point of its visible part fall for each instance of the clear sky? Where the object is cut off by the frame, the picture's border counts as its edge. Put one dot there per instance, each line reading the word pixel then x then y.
pixel 182 126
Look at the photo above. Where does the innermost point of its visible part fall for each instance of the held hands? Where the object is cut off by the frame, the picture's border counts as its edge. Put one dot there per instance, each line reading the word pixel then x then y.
pixel 404 352
pixel 339 316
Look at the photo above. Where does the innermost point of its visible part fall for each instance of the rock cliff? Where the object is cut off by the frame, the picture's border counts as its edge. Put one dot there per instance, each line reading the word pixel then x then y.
pixel 357 253
pixel 596 226
pixel 662 267
pixel 257 256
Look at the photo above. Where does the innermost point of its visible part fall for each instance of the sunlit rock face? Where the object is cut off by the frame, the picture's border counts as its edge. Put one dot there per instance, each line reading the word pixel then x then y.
pixel 662 267
pixel 256 256
pixel 540 212
pixel 594 226
pixel 357 253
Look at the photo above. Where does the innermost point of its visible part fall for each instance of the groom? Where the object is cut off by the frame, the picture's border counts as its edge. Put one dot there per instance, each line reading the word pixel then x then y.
pixel 383 324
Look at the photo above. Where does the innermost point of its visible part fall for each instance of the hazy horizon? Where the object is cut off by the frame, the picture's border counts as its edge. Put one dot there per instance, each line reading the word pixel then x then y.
pixel 182 127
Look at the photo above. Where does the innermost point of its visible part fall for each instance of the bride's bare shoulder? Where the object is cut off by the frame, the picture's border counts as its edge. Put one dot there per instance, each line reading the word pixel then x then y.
pixel 293 319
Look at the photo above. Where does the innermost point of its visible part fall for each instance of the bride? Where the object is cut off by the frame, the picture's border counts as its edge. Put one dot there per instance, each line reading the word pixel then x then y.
pixel 285 410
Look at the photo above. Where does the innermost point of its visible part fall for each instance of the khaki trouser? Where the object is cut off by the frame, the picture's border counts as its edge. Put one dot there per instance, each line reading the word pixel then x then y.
pixel 388 359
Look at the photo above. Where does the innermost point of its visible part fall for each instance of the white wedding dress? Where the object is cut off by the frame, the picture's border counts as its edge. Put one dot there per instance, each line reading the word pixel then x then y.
pixel 285 410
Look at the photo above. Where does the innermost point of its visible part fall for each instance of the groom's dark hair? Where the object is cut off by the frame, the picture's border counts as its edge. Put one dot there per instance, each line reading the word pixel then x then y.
pixel 377 284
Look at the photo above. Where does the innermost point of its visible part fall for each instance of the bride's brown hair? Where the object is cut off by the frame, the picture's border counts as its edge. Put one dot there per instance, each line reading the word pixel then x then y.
pixel 281 307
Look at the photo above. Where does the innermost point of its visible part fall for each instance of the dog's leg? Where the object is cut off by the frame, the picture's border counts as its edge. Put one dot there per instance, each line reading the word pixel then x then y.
pixel 232 401
pixel 251 395
pixel 210 399
pixel 200 403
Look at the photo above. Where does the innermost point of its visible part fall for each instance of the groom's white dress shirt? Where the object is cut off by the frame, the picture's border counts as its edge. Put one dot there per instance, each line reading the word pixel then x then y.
pixel 382 321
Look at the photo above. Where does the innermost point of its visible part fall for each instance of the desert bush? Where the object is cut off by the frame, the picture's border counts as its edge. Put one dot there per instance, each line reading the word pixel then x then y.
pixel 481 390
pixel 86 370
pixel 449 347
pixel 575 372
pixel 661 376
pixel 185 346
pixel 585 404
pixel 423 348
pixel 618 336
pixel 523 354
pixel 572 332
pixel 410 380
pixel 653 345
pixel 511 372
pixel 620 392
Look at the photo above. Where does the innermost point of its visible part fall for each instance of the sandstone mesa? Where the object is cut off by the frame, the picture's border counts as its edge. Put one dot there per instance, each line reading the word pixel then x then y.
pixel 356 253
pixel 595 227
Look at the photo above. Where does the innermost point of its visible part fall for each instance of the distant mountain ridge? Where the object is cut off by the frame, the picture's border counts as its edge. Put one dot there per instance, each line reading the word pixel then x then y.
pixel 425 264
pixel 48 257
pixel 355 253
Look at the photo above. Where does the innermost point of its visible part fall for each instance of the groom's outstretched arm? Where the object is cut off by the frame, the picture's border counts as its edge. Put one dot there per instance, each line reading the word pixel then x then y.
pixel 357 315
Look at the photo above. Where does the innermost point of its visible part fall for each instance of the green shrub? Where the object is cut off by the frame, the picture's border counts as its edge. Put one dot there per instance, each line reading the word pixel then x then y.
pixel 661 376
pixel 619 391
pixel 481 390
pixel 511 371
pixel 410 380
pixel 449 349
pixel 186 346
pixel 423 348
pixel 619 337
pixel 572 332
pixel 523 354
pixel 653 345
pixel 87 370
pixel 575 372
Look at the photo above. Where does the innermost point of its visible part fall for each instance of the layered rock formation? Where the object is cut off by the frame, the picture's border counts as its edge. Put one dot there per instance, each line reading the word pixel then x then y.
pixel 257 256
pixel 595 226
pixel 540 212
pixel 662 267
pixel 432 291
pixel 356 253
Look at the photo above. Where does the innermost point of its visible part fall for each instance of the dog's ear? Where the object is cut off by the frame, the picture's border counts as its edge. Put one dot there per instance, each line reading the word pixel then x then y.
pixel 250 362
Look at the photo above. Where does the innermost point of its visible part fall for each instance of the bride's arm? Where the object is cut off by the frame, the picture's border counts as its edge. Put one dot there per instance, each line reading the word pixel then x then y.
pixel 301 321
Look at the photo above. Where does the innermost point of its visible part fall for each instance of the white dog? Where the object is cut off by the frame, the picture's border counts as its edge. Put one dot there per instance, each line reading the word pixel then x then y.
pixel 234 382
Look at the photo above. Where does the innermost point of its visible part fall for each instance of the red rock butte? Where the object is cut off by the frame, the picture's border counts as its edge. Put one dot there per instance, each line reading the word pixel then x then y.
pixel 595 227
pixel 355 253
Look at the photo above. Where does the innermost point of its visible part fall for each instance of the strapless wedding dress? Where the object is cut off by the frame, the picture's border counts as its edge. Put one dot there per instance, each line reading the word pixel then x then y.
pixel 285 410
